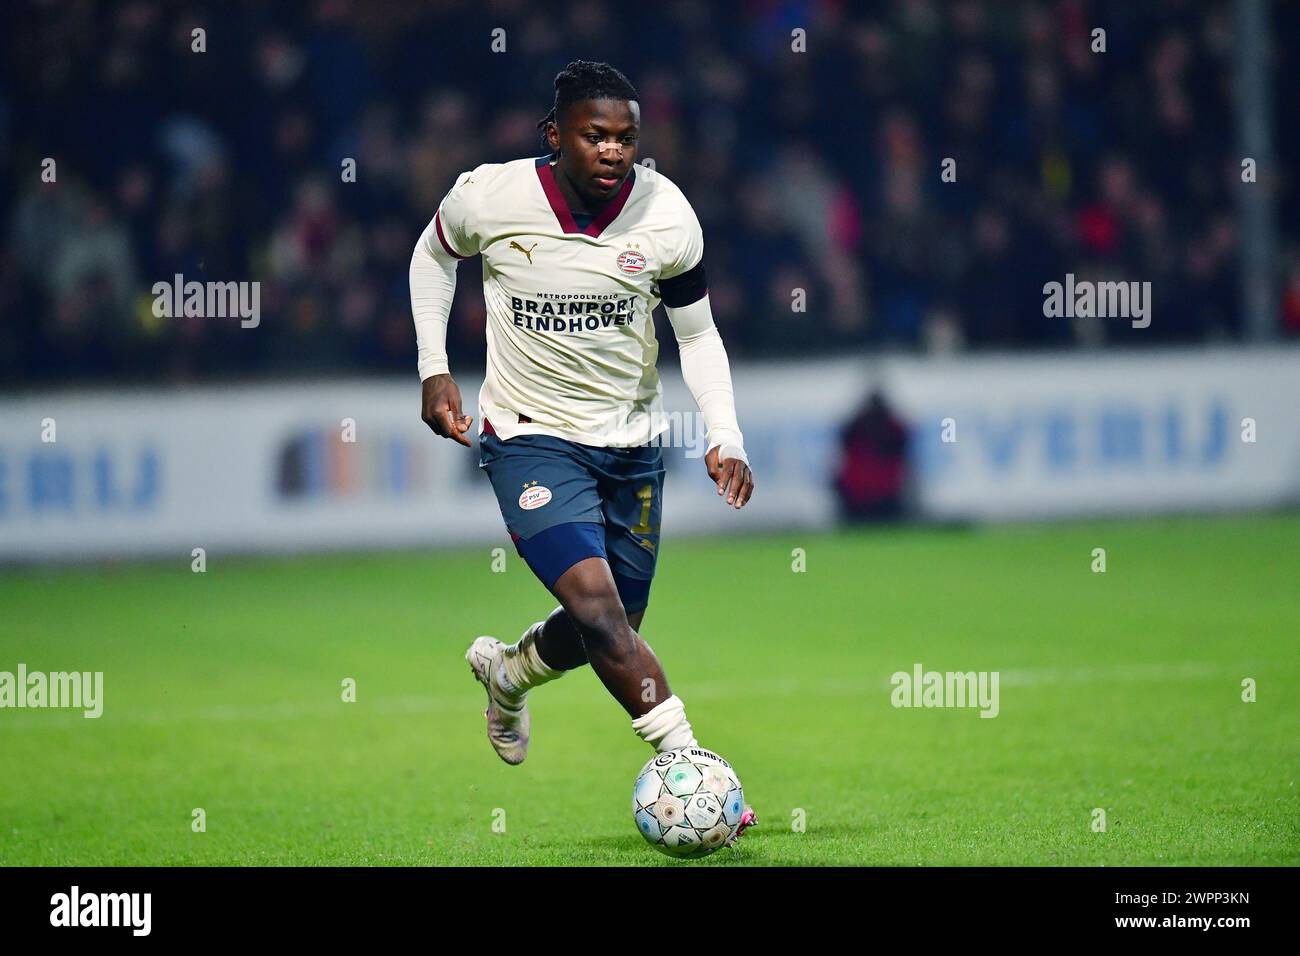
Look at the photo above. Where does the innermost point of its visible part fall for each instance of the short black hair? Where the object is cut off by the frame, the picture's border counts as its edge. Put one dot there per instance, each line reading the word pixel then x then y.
pixel 586 80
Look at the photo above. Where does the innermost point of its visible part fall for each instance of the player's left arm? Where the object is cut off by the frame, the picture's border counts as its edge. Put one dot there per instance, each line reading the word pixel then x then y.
pixel 708 376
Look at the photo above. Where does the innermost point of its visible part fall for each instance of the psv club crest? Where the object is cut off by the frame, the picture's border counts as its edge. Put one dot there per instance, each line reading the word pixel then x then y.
pixel 534 496
pixel 630 262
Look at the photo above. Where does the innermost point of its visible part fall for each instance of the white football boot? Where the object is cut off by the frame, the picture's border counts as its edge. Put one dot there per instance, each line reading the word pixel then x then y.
pixel 508 723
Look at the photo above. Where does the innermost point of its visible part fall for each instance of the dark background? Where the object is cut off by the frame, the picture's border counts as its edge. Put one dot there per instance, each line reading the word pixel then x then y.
pixel 816 170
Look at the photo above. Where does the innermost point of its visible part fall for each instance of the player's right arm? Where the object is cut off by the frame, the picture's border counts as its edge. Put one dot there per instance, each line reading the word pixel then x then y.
pixel 447 239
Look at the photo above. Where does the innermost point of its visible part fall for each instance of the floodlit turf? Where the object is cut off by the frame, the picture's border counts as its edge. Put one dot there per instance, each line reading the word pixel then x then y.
pixel 1119 691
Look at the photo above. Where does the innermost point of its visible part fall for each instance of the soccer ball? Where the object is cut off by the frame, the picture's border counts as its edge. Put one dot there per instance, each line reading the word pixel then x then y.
pixel 687 802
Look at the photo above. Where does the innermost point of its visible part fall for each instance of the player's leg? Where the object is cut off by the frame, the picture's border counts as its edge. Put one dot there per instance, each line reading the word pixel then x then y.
pixel 631 487
pixel 552 511
pixel 631 484
pixel 604 597
pixel 560 645
pixel 558 642
pixel 632 502
pixel 554 646
pixel 620 657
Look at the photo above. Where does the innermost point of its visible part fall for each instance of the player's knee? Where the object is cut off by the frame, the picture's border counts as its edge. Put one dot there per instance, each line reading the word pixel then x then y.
pixel 602 622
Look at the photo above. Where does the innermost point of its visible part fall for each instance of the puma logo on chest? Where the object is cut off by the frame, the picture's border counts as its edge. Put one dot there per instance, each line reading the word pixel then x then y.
pixel 528 252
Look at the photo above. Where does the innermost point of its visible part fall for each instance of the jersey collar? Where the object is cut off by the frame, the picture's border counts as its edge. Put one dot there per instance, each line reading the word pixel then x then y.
pixel 546 174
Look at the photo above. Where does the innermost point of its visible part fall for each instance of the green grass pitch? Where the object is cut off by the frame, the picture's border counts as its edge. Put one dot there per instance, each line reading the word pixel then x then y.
pixel 1120 691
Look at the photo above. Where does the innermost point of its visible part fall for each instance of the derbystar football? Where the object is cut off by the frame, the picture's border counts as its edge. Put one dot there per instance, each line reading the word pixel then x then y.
pixel 687 802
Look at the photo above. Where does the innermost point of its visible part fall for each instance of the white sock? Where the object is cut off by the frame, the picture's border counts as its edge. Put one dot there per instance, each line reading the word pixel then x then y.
pixel 522 668
pixel 666 727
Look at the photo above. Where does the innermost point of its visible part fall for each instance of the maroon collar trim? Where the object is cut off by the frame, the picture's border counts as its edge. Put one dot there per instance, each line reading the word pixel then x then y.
pixel 546 174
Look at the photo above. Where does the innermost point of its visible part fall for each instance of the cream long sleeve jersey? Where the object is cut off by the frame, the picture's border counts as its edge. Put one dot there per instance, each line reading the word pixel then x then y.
pixel 571 343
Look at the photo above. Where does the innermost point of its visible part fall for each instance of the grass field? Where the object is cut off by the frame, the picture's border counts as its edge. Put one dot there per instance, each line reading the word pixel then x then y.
pixel 1120 690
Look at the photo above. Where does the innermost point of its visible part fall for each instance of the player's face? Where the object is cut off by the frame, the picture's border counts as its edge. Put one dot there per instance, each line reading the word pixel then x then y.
pixel 597 141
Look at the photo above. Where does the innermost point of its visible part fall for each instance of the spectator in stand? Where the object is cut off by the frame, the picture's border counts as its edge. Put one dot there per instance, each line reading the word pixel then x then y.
pixel 871 479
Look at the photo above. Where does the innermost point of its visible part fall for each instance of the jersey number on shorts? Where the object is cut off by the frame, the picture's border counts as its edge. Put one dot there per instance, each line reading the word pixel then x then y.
pixel 646 494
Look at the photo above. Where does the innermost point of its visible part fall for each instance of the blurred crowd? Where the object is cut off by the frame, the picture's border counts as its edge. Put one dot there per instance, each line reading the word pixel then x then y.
pixel 817 175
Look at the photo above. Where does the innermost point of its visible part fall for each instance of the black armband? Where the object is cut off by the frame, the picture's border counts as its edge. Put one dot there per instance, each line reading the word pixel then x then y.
pixel 690 286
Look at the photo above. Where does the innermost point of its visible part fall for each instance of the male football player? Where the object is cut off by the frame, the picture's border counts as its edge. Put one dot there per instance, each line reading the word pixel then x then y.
pixel 578 248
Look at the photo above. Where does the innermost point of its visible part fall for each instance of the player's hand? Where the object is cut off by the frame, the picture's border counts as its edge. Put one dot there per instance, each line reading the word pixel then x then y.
pixel 440 409
pixel 733 478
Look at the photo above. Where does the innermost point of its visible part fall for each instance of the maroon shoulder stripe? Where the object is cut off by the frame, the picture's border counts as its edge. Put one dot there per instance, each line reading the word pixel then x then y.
pixel 437 224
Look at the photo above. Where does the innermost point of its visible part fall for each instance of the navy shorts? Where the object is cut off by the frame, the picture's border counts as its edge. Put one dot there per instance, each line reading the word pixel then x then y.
pixel 563 502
